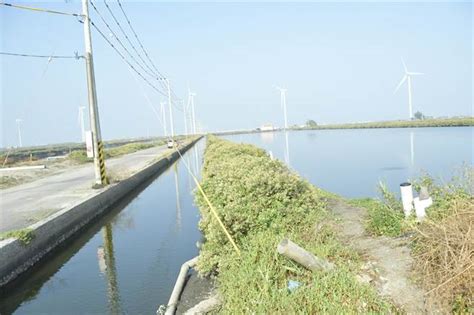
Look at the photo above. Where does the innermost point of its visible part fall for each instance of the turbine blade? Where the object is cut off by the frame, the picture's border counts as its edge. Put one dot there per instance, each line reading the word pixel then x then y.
pixel 404 65
pixel 401 83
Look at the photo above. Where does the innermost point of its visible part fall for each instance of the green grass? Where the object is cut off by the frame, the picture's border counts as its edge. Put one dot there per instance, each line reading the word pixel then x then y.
pixel 381 219
pixel 260 202
pixel 25 236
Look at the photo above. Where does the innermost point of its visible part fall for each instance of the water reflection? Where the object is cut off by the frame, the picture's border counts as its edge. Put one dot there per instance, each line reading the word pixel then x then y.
pixel 106 257
pixel 287 150
pixel 267 137
pixel 353 162
pixel 178 200
pixel 127 261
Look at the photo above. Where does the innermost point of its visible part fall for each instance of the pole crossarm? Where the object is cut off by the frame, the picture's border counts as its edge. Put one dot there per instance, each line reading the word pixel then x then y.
pixel 76 56
pixel 41 10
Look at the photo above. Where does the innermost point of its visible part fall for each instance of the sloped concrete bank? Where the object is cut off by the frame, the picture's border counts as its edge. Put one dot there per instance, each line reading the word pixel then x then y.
pixel 16 258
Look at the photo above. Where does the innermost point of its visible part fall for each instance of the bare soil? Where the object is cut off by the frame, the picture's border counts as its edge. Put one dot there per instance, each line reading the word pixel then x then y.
pixel 388 262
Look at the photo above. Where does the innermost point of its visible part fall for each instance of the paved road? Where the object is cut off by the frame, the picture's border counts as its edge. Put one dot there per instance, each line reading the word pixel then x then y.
pixel 23 205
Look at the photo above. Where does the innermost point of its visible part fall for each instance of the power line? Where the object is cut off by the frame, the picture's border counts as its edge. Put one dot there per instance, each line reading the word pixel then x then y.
pixel 125 60
pixel 119 41
pixel 127 38
pixel 138 40
pixel 38 9
pixel 161 75
pixel 76 56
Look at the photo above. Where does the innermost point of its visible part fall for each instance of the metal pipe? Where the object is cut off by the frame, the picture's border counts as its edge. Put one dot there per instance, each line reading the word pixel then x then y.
pixel 178 287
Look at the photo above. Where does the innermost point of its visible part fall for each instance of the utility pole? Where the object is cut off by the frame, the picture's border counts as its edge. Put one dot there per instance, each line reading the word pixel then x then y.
pixel 18 127
pixel 99 161
pixel 163 118
pixel 170 109
pixel 81 122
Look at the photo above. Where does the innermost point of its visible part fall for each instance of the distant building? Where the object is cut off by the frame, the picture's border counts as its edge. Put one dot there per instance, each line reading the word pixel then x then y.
pixel 267 127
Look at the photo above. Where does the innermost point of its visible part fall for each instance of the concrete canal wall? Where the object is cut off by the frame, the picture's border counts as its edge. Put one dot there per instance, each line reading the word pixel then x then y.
pixel 16 257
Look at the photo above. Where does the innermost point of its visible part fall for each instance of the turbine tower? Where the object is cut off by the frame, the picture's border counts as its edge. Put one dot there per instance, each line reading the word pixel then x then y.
pixel 81 122
pixel 18 126
pixel 283 104
pixel 191 96
pixel 407 77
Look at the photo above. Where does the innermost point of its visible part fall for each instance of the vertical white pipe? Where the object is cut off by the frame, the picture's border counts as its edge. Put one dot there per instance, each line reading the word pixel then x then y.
pixel 406 192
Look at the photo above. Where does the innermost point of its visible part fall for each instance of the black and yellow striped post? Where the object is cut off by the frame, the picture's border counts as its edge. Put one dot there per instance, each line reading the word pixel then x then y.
pixel 103 174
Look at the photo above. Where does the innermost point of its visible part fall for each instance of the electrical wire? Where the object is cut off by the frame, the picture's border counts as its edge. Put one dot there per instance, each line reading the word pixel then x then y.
pixel 38 9
pixel 125 60
pixel 127 38
pixel 161 75
pixel 138 40
pixel 119 41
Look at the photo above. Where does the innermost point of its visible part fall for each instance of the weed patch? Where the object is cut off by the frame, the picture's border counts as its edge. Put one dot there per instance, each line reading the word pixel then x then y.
pixel 25 236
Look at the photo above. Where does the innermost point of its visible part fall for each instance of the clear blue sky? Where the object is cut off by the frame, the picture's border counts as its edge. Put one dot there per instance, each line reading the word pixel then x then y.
pixel 339 61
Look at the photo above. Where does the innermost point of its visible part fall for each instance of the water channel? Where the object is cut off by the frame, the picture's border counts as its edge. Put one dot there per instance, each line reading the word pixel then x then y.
pixel 128 261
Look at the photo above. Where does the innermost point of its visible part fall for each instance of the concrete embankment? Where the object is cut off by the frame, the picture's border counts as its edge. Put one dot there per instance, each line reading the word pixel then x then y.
pixel 16 257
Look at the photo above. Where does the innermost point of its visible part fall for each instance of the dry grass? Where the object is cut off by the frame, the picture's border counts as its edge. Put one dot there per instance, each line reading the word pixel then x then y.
pixel 444 253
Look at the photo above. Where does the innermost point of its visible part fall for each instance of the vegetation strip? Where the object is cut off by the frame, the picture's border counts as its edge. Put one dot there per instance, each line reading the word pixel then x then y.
pixel 261 202
pixel 430 122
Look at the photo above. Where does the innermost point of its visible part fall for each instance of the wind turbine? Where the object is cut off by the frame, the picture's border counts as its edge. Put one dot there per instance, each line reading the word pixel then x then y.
pixel 81 122
pixel 283 104
pixel 407 77
pixel 18 126
pixel 191 96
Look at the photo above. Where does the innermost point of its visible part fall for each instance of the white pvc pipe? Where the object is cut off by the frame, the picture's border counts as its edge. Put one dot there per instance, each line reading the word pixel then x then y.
pixel 178 287
pixel 22 168
pixel 406 192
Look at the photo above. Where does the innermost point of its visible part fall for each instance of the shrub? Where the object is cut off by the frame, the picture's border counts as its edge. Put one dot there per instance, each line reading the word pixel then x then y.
pixel 79 156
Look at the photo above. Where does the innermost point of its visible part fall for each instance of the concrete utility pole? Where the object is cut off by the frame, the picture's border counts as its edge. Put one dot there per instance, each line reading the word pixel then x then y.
pixel 99 161
pixel 169 108
pixel 163 118
pixel 81 122
pixel 18 127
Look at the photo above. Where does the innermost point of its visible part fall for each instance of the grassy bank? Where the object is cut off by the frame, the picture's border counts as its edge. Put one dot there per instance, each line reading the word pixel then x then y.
pixel 439 122
pixel 260 202
pixel 442 244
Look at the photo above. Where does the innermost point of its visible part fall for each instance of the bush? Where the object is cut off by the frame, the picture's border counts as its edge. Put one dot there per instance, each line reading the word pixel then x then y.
pixel 79 156
pixel 260 202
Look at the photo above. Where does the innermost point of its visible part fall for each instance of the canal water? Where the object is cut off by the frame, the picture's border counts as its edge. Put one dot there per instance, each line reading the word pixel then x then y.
pixel 127 262
pixel 352 162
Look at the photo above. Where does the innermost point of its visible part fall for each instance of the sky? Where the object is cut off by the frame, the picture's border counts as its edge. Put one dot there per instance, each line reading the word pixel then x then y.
pixel 340 62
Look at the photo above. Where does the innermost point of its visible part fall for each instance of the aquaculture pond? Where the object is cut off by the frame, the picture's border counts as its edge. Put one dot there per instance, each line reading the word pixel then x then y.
pixel 352 162
pixel 125 263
